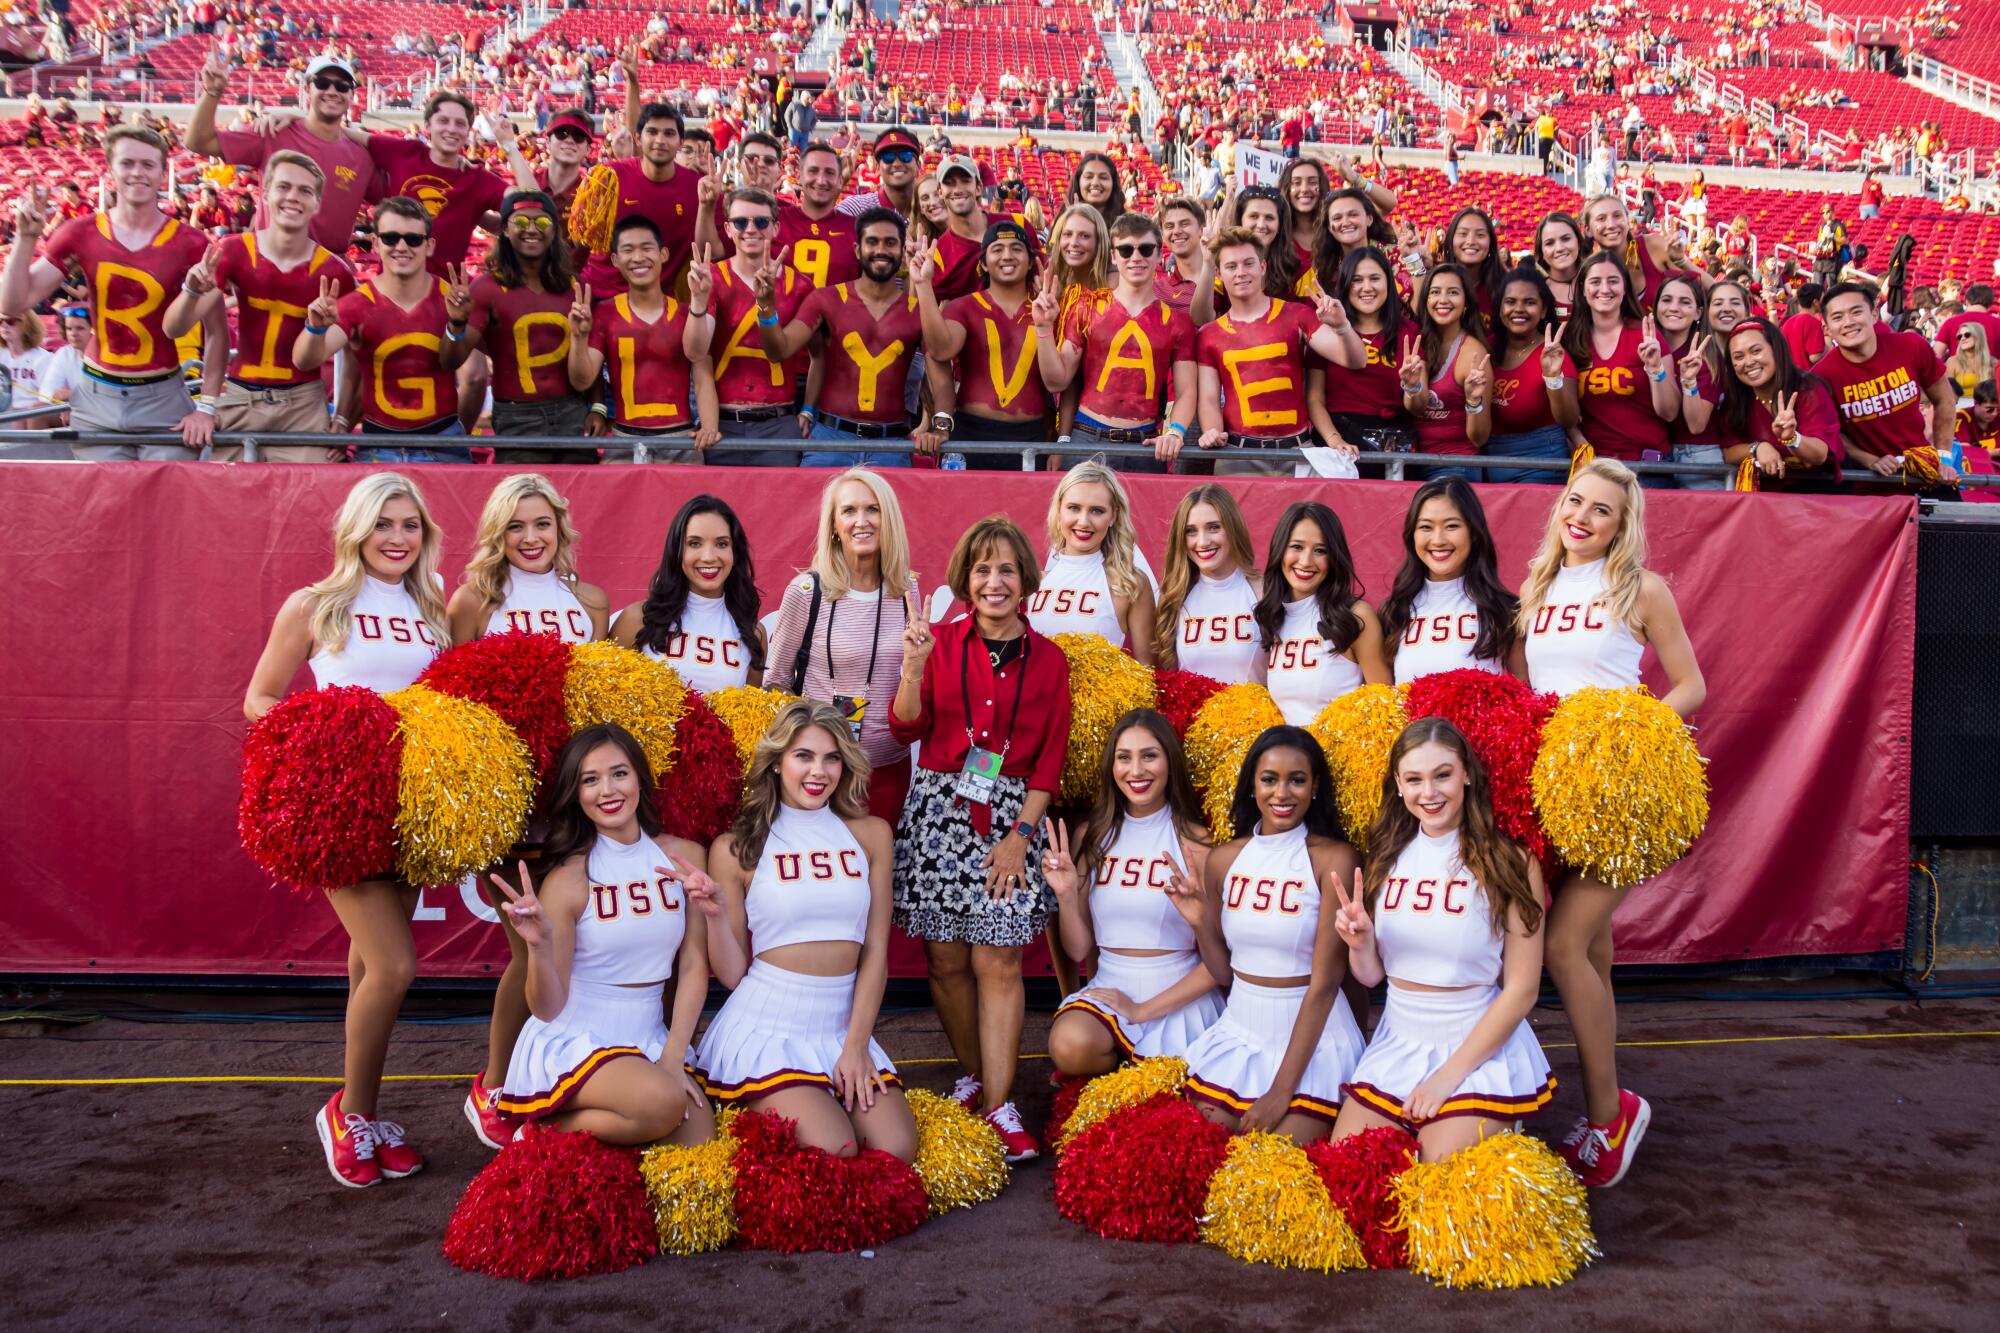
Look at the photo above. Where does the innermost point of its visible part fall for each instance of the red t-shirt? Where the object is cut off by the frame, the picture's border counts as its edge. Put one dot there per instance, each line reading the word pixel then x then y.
pixel 996 370
pixel 1818 418
pixel 526 332
pixel 1985 319
pixel 867 359
pixel 1968 432
pixel 1176 289
pixel 130 290
pixel 564 199
pixel 1805 334
pixel 271 308
pixel 822 249
pixel 673 203
pixel 1615 398
pixel 1872 191
pixel 744 376
pixel 1375 390
pixel 1881 399
pixel 651 377
pixel 456 198
pixel 402 385
pixel 957 258
pixel 1520 399
pixel 1263 368
pixel 1127 371
pixel 351 180
pixel 1709 392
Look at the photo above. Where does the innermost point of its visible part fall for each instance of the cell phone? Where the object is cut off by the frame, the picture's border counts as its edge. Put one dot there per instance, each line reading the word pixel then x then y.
pixel 1651 456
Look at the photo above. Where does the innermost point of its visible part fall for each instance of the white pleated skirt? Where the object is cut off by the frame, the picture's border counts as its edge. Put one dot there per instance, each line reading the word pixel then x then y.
pixel 1232 1064
pixel 1141 978
pixel 780 1029
pixel 599 1022
pixel 1418 1033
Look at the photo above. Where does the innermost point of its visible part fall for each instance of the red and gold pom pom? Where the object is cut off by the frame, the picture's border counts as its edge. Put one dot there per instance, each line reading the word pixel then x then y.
pixel 1359 1173
pixel 318 808
pixel 553 1205
pixel 519 676
pixel 1061 1108
pixel 593 210
pixel 1143 1172
pixel 1266 1205
pixel 1181 695
pixel 1357 731
pixel 748 713
pixel 792 1199
pixel 1104 684
pixel 1506 1212
pixel 698 800
pixel 1619 786
pixel 1107 1094
pixel 611 683
pixel 1502 718
pixel 464 790
pixel 1220 736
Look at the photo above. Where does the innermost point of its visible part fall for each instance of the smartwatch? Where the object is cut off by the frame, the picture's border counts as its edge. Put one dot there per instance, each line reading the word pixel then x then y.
pixel 1025 829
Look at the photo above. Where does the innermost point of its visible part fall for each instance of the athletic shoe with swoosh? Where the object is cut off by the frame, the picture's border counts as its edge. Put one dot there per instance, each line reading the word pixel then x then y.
pixel 494 1126
pixel 349 1141
pixel 1603 1153
pixel 396 1158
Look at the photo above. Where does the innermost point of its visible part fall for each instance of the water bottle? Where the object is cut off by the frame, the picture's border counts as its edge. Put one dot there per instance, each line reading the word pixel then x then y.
pixel 952 463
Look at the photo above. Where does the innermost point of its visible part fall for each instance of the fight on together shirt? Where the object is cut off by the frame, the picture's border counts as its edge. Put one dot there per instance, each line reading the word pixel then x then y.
pixel 744 376
pixel 455 197
pixel 1881 399
pixel 867 358
pixel 996 369
pixel 822 249
pixel 271 308
pixel 1262 367
pixel 129 289
pixel 1128 360
pixel 672 204
pixel 649 372
pixel 402 385
pixel 526 332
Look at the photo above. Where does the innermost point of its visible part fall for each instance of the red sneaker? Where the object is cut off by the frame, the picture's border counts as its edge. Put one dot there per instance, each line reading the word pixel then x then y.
pixel 966 1092
pixel 1602 1154
pixel 1016 1142
pixel 494 1126
pixel 396 1158
pixel 349 1141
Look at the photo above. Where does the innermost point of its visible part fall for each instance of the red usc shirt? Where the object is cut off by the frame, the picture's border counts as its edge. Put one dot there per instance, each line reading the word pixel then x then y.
pixel 271 308
pixel 455 198
pixel 1881 399
pixel 821 248
pixel 996 370
pixel 744 376
pixel 673 203
pixel 1615 401
pixel 402 385
pixel 867 359
pixel 1262 365
pixel 650 375
pixel 957 259
pixel 129 289
pixel 1375 390
pixel 1520 397
pixel 1128 359
pixel 526 332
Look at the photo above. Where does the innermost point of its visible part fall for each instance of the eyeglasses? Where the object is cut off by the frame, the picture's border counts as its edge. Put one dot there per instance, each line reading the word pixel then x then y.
pixel 327 83
pixel 759 160
pixel 1144 250
pixel 389 240
pixel 540 222
pixel 758 223
pixel 569 135
pixel 896 155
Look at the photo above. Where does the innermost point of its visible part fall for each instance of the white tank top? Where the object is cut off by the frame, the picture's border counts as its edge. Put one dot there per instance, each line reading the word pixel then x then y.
pixel 1444 625
pixel 707 650
pixel 1304 672
pixel 811 883
pixel 389 643
pixel 541 604
pixel 632 925
pixel 1129 904
pixel 1217 634
pixel 1075 598
pixel 1270 906
pixel 1576 641
pixel 1433 924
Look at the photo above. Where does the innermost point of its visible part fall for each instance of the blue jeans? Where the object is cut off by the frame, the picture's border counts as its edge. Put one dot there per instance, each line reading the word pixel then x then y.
pixel 1549 441
pixel 1867 211
pixel 845 458
pixel 409 453
pixel 1699 453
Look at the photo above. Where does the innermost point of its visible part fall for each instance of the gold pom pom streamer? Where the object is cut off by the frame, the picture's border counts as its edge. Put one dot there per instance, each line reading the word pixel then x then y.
pixel 1104 684
pixel 1357 731
pixel 1107 1094
pixel 1505 1212
pixel 1218 738
pixel 693 1191
pixel 464 789
pixel 611 683
pixel 1267 1205
pixel 593 210
pixel 748 713
pixel 1619 787
pixel 959 1155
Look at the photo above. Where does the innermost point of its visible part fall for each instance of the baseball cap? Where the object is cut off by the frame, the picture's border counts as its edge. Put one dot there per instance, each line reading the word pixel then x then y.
pixel 1003 228
pixel 321 64
pixel 896 137
pixel 572 120
pixel 521 201
pixel 957 162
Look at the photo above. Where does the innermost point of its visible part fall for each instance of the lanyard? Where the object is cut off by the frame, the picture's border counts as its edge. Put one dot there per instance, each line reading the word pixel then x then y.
pixel 832 685
pixel 965 686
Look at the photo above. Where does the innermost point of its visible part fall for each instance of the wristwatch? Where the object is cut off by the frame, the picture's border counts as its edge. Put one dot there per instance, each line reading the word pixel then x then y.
pixel 943 421
pixel 1025 829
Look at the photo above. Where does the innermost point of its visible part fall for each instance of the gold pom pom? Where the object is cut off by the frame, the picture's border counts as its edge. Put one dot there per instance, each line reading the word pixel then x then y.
pixel 1218 738
pixel 1267 1205
pixel 608 682
pixel 748 712
pixel 593 210
pixel 464 790
pixel 959 1155
pixel 1505 1212
pixel 1357 731
pixel 693 1190
pixel 1140 1081
pixel 1105 683
pixel 1620 789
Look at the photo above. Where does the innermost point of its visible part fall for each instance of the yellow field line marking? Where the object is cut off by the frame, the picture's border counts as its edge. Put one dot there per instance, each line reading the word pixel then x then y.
pixel 917 1060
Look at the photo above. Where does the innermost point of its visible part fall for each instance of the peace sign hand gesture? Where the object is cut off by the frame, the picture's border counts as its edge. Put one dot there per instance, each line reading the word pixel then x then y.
pixel 764 284
pixel 1048 304
pixel 1479 382
pixel 1356 927
pixel 701 277
pixel 1552 355
pixel 923 266
pixel 1650 354
pixel 1785 421
pixel 31 214
pixel 1411 371
pixel 1330 311
pixel 707 190
pixel 324 311
pixel 702 893
pixel 579 308
pixel 214 74
pixel 457 294
pixel 200 279
pixel 628 60
pixel 524 909
pixel 1692 364
pixel 1058 868
pixel 1186 896
pixel 917 637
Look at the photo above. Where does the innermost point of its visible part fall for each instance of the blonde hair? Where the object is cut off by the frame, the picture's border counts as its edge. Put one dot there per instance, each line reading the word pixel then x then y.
pixel 486 573
pixel 1977 366
pixel 1624 563
pixel 333 596
pixel 289 157
pixel 1120 542
pixel 1177 571
pixel 763 789
pixel 830 562
pixel 1098 275
pixel 33 332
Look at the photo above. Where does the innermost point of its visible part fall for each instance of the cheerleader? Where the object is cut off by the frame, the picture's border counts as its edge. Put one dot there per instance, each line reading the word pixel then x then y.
pixel 1132 896
pixel 798 929
pixel 1287 1040
pixel 1208 595
pixel 604 930
pixel 1091 584
pixel 700 611
pixel 375 621
pixel 1319 638
pixel 1589 608
pixel 1450 911
pixel 1448 609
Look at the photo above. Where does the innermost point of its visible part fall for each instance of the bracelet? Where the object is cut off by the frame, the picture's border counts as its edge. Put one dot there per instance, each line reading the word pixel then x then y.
pixel 1178 429
pixel 765 321
pixel 1660 378
pixel 457 335
pixel 809 412
pixel 599 409
pixel 1687 392
pixel 318 330
pixel 1555 384
pixel 1473 411
pixel 701 314
pixel 341 425
pixel 205 406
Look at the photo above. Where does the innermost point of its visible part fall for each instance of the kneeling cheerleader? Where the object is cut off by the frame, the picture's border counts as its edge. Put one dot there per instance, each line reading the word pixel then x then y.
pixel 1131 897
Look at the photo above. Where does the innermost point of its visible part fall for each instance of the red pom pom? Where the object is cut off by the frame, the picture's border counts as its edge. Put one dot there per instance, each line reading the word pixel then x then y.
pixel 318 808
pixel 1358 1173
pixel 1503 718
pixel 519 676
pixel 553 1205
pixel 1181 694
pixel 698 799
pixel 1064 1105
pixel 1142 1173
pixel 791 1198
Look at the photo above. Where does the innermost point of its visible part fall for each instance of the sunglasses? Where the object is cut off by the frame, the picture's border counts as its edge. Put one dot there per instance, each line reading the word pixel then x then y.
pixel 389 240
pixel 898 155
pixel 1145 250
pixel 751 224
pixel 540 222
pixel 759 160
pixel 326 83
pixel 569 135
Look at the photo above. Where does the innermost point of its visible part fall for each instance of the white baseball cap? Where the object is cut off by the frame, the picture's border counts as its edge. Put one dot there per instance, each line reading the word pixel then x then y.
pixel 323 63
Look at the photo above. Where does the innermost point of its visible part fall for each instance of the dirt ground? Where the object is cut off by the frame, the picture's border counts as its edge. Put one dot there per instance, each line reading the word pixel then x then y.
pixel 1816 1161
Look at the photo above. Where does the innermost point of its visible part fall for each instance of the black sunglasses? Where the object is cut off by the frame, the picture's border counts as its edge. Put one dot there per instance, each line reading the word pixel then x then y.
pixel 573 136
pixel 326 83
pixel 1145 249
pixel 895 155
pixel 751 224
pixel 391 239
pixel 759 160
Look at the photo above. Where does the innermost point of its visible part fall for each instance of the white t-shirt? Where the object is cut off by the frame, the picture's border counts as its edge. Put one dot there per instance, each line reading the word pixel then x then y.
pixel 29 368
pixel 64 372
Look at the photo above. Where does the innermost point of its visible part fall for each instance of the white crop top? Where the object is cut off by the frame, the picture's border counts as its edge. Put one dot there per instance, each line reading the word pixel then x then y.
pixel 1217 634
pixel 389 643
pixel 1433 924
pixel 1444 626
pixel 1270 906
pixel 1304 672
pixel 1576 641
pixel 541 604
pixel 1129 904
pixel 634 919
pixel 707 650
pixel 811 883
pixel 1075 598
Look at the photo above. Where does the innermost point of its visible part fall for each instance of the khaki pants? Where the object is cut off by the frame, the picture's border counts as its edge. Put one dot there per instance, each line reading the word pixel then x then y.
pixel 659 448
pixel 157 405
pixel 298 409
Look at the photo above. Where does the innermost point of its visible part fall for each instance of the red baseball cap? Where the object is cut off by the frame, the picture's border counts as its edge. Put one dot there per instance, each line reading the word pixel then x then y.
pixel 896 137
pixel 572 120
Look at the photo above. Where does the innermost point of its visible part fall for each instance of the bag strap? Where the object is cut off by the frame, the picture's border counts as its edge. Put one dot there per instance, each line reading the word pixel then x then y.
pixel 805 640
